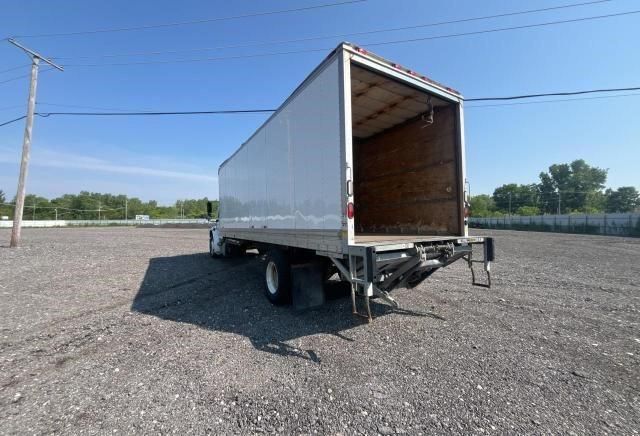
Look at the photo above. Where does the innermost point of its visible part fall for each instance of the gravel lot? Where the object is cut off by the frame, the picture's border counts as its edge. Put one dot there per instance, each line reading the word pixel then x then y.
pixel 138 330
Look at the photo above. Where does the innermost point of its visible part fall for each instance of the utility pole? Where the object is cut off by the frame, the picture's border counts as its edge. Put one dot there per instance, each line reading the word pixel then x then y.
pixel 99 207
pixel 34 211
pixel 56 209
pixel 26 143
pixel 126 211
pixel 559 201
pixel 509 203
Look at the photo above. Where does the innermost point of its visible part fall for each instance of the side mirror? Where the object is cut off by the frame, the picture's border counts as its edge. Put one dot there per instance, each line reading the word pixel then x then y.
pixel 209 209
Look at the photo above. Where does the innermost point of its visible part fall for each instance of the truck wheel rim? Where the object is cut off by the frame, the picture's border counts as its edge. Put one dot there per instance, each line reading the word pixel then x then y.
pixel 272 277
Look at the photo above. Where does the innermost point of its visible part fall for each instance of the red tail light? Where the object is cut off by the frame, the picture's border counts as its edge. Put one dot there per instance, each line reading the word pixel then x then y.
pixel 350 210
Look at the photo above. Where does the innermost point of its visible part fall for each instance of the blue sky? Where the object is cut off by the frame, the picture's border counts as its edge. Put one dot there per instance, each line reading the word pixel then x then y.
pixel 177 157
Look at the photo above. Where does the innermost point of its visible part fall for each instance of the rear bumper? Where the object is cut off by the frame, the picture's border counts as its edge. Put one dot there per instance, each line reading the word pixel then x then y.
pixel 404 244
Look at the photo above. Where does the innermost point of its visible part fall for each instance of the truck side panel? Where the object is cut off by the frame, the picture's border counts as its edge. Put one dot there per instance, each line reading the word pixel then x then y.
pixel 315 136
pixel 257 181
pixel 278 164
pixel 284 184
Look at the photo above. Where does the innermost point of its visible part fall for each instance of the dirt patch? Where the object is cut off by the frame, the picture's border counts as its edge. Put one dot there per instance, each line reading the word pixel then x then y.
pixel 139 330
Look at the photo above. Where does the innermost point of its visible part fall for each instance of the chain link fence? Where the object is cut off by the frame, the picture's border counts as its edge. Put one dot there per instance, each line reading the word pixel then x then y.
pixel 619 224
pixel 92 223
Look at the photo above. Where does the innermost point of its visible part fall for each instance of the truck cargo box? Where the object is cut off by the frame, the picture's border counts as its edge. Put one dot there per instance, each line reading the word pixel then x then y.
pixel 362 165
pixel 359 136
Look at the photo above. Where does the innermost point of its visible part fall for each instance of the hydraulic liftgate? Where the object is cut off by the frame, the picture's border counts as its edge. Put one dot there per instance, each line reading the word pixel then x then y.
pixel 375 271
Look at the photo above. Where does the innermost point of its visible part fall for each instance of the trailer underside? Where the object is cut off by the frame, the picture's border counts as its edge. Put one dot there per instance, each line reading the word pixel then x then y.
pixel 373 264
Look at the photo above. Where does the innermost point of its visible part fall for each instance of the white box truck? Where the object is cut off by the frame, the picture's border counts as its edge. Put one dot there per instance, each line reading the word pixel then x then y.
pixel 361 171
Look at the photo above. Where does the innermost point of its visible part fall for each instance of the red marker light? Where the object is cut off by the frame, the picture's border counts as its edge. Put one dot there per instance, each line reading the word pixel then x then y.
pixel 350 210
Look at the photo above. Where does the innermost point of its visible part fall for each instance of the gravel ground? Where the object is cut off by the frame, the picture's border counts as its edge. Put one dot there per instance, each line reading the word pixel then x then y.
pixel 137 331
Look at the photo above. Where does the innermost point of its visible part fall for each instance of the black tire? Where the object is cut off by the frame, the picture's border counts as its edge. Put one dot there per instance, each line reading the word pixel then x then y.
pixel 277 277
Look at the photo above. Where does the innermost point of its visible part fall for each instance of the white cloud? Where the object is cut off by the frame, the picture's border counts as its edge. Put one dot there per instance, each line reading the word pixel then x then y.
pixel 55 159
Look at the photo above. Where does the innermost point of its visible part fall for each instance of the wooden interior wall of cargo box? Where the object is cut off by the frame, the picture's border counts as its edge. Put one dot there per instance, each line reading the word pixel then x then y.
pixel 406 171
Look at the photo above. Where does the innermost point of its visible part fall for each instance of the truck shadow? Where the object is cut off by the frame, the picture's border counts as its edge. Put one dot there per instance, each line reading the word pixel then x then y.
pixel 226 295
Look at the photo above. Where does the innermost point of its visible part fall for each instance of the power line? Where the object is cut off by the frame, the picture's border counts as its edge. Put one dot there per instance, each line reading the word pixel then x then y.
pixel 15 68
pixel 553 101
pixel 552 94
pixel 210 59
pixel 517 97
pixel 24 75
pixel 399 41
pixel 250 111
pixel 40 103
pixel 504 29
pixel 13 121
pixel 192 22
pixel 342 35
pixel 221 112
pixel 268 54
pixel 15 78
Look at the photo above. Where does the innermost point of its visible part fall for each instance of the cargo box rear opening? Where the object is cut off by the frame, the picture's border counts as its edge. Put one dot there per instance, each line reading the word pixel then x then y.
pixel 406 161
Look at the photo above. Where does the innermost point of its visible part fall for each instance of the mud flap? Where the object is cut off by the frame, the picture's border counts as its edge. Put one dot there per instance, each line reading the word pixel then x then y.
pixel 489 250
pixel 307 285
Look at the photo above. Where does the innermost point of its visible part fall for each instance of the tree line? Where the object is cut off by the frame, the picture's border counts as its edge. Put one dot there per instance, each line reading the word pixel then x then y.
pixel 93 205
pixel 575 187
